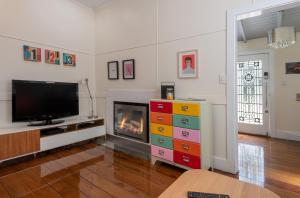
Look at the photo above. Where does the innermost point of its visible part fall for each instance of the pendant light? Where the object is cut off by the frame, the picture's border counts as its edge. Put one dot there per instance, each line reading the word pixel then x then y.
pixel 282 36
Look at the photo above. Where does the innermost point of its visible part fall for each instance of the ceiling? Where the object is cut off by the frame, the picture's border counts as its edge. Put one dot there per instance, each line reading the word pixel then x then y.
pixel 258 27
pixel 92 3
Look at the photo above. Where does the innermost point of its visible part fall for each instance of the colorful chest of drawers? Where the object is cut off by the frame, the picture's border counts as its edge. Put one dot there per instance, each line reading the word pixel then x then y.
pixel 181 133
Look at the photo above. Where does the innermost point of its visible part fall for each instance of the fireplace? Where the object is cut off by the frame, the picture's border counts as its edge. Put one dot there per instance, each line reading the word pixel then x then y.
pixel 131 120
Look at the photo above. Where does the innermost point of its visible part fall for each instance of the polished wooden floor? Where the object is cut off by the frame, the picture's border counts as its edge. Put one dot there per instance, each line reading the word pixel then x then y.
pixel 272 163
pixel 92 170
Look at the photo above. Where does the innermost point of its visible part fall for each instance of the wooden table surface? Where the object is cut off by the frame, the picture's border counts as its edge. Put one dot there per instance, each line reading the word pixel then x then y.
pixel 209 182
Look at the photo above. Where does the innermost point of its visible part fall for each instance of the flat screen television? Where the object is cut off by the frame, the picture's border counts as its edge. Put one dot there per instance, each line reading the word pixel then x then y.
pixel 43 101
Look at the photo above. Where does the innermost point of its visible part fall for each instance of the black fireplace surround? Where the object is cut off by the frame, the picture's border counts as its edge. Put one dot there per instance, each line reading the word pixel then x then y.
pixel 131 120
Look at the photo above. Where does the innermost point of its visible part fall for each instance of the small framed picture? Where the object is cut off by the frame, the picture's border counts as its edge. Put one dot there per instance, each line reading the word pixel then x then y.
pixel 187 64
pixel 113 70
pixel 69 59
pixel 293 68
pixel 129 69
pixel 52 57
pixel 32 53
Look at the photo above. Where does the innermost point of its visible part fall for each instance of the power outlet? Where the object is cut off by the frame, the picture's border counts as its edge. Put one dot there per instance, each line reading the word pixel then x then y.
pixel 298 97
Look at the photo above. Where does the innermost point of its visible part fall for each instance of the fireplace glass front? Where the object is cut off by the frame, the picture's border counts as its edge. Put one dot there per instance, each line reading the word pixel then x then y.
pixel 131 120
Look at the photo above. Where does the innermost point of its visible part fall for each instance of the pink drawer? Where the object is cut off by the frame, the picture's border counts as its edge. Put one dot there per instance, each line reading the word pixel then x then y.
pixel 186 134
pixel 163 153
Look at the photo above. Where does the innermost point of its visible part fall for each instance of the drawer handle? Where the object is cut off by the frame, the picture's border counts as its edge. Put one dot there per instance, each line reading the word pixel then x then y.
pixel 184 108
pixel 160 129
pixel 161 152
pixel 160 118
pixel 184 121
pixel 186 159
pixel 161 141
pixel 160 106
pixel 186 147
pixel 185 134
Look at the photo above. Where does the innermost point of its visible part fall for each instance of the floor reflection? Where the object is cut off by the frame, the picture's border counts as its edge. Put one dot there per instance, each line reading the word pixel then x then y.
pixel 93 170
pixel 271 163
pixel 88 171
pixel 251 164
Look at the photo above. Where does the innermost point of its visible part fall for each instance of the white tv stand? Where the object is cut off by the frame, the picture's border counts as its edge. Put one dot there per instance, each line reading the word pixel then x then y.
pixel 21 141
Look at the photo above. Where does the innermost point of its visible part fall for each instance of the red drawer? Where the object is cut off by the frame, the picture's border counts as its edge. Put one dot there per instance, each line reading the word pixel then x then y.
pixel 162 107
pixel 187 160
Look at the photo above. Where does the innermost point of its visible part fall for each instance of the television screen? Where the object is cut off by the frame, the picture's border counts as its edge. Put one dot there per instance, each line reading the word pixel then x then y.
pixel 39 101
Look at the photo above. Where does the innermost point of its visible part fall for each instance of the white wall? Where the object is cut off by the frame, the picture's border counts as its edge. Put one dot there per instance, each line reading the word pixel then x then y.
pixel 286 86
pixel 62 25
pixel 152 32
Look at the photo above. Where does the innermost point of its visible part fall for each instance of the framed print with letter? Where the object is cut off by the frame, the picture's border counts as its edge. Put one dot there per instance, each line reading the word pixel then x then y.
pixel 69 59
pixel 187 64
pixel 52 57
pixel 32 53
pixel 113 70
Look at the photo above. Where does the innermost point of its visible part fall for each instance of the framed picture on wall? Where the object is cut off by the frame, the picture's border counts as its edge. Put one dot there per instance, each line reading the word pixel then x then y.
pixel 293 68
pixel 69 59
pixel 129 69
pixel 113 70
pixel 187 64
pixel 32 53
pixel 52 57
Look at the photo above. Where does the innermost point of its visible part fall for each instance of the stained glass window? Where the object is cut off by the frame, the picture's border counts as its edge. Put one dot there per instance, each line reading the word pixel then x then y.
pixel 250 92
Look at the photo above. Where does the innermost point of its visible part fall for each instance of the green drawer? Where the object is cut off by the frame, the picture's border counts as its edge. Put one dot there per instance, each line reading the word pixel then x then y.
pixel 162 141
pixel 188 122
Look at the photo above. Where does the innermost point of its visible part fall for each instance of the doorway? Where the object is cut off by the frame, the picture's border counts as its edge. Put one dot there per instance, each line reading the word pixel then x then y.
pixel 252 87
pixel 236 19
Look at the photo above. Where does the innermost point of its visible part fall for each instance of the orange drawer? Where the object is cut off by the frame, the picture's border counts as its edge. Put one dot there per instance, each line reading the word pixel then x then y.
pixel 186 147
pixel 161 118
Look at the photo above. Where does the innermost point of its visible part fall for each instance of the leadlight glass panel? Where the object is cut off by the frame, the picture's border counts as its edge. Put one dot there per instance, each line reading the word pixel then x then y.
pixel 250 92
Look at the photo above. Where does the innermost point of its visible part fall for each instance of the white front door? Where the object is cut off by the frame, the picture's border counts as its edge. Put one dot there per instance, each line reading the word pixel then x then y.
pixel 252 93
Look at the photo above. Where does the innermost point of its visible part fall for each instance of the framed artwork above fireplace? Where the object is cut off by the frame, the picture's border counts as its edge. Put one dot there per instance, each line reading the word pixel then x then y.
pixel 113 70
pixel 129 69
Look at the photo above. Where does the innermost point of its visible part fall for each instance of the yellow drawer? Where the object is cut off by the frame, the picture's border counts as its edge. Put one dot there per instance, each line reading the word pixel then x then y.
pixel 164 130
pixel 186 109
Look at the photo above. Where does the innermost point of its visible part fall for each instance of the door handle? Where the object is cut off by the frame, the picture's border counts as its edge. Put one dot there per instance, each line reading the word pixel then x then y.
pixel 160 118
pixel 161 141
pixel 185 133
pixel 161 152
pixel 186 159
pixel 184 108
pixel 184 121
pixel 160 129
pixel 186 147
pixel 160 106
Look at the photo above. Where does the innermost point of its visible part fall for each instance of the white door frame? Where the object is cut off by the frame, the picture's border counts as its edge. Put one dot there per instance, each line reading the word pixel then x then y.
pixel 232 142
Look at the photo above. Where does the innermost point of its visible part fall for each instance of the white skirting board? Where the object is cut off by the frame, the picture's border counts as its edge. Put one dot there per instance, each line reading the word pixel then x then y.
pixel 287 135
pixel 63 139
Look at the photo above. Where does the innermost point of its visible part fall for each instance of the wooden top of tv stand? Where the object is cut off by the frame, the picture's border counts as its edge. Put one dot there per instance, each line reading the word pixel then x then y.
pixel 23 128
